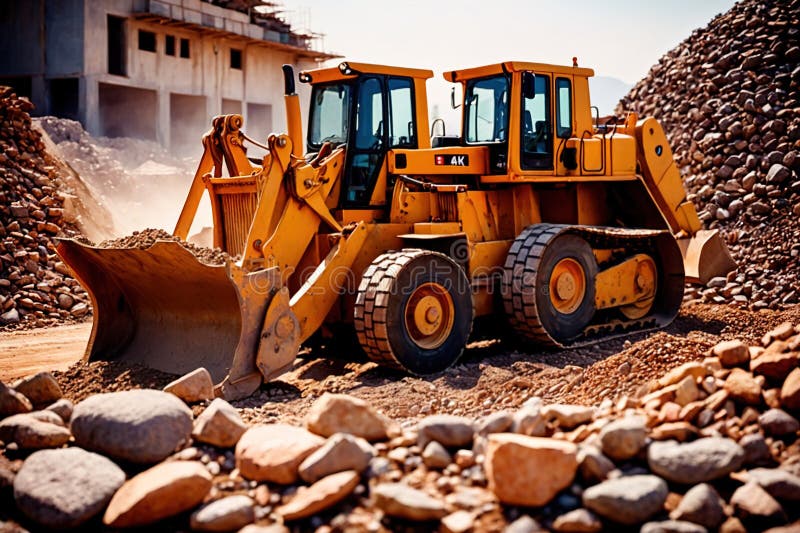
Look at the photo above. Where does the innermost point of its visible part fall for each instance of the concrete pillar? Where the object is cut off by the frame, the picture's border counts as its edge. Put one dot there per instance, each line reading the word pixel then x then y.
pixel 163 118
pixel 89 105
pixel 211 49
pixel 39 95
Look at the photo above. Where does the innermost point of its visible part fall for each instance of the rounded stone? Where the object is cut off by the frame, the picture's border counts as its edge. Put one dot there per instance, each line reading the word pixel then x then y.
pixel 64 488
pixel 140 426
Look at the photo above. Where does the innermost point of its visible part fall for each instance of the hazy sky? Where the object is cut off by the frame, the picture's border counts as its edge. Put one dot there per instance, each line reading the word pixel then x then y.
pixel 618 38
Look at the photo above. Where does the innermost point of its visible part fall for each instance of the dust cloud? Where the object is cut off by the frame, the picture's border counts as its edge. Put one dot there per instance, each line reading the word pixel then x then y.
pixel 140 183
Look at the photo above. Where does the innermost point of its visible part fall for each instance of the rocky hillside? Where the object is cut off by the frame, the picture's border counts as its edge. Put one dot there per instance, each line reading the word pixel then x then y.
pixel 710 444
pixel 35 287
pixel 729 99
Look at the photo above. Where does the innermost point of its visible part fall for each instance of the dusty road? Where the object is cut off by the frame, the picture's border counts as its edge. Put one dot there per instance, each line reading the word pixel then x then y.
pixel 26 352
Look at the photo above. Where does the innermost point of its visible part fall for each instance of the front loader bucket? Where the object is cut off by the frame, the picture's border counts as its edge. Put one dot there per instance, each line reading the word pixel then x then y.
pixel 165 309
pixel 705 256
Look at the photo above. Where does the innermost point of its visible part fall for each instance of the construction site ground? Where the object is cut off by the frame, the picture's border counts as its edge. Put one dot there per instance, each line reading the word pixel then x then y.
pixel 491 375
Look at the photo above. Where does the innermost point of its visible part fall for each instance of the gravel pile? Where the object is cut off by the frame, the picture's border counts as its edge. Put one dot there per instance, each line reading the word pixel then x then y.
pixel 728 98
pixel 710 445
pixel 36 289
pixel 146 238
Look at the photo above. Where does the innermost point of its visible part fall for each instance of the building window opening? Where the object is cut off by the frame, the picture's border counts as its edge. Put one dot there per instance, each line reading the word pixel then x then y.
pixel 115 26
pixel 185 48
pixel 169 45
pixel 236 59
pixel 64 97
pixel 147 41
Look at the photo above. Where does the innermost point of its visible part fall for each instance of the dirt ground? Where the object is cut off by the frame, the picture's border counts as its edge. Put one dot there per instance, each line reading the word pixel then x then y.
pixel 23 353
pixel 493 374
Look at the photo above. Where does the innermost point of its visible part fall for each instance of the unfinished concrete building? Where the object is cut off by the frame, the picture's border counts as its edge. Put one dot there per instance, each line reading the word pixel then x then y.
pixel 152 69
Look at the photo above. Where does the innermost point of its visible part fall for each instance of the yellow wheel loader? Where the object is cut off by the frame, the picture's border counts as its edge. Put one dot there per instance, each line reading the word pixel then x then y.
pixel 575 230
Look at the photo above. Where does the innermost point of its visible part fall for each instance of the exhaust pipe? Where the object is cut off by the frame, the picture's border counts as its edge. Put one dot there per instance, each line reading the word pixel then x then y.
pixel 293 120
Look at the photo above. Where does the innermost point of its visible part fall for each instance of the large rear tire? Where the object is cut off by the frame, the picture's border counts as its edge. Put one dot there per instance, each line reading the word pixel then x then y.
pixel 414 311
pixel 548 285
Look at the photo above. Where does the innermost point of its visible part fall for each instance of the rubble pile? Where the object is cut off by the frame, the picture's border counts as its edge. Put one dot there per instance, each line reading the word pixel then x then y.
pixel 36 288
pixel 728 99
pixel 141 183
pixel 709 445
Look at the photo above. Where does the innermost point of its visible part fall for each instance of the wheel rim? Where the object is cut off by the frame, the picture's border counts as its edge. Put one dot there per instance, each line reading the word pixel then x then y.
pixel 646 281
pixel 567 286
pixel 429 315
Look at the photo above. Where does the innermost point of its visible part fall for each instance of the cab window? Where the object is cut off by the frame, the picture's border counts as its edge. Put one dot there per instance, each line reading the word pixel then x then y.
pixel 564 107
pixel 369 115
pixel 537 140
pixel 330 111
pixel 486 103
pixel 401 114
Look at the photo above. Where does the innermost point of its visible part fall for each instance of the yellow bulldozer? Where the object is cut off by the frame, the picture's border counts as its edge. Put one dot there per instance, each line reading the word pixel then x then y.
pixel 575 229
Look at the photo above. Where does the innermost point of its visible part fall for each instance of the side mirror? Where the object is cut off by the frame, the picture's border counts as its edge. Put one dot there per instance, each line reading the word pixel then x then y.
pixel 528 85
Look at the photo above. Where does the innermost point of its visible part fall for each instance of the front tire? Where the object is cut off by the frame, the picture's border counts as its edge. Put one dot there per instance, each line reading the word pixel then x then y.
pixel 548 285
pixel 414 311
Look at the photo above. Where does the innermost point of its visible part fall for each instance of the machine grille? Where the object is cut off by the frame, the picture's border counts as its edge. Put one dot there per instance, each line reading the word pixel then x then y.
pixel 237 215
pixel 448 206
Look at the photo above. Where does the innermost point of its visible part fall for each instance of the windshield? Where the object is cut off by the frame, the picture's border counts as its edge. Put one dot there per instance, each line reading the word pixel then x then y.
pixel 330 112
pixel 486 102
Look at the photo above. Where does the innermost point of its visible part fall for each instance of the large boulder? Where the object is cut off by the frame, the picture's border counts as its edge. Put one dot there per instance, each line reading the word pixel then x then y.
pixel 568 416
pixel 63 408
pixel 623 438
pixel 448 430
pixel 627 500
pixel 695 462
pixel 529 471
pixel 780 484
pixel 339 453
pixel 157 493
pixel 756 508
pixel 743 387
pixel 31 431
pixel 593 465
pixel 62 489
pixel 226 514
pixel 193 387
pixel 13 402
pixel 732 353
pixel 401 501
pixel 790 391
pixel 273 452
pixel 140 426
pixel 578 521
pixel 41 389
pixel 702 505
pixel 778 423
pixel 219 425
pixel 323 494
pixel 340 413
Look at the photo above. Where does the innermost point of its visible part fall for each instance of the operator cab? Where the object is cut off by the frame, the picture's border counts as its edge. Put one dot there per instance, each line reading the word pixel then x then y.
pixel 371 109
pixel 522 112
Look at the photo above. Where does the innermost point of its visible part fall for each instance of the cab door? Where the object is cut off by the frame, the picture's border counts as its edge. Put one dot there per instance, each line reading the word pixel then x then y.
pixel 367 146
pixel 537 126
pixel 384 118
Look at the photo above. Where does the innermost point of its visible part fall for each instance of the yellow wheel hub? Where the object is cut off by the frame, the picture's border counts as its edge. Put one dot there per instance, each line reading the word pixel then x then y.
pixel 645 283
pixel 429 315
pixel 567 286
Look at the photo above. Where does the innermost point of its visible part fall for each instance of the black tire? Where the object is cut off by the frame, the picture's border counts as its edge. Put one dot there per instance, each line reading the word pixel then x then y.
pixel 526 286
pixel 382 303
